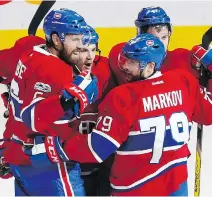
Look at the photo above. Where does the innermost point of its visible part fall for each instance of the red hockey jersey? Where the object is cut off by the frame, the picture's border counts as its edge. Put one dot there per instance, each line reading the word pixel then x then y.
pixel 147 124
pixel 39 78
pixel 9 57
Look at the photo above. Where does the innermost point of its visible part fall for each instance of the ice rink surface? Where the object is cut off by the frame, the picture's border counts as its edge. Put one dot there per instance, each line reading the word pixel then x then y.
pixel 7 187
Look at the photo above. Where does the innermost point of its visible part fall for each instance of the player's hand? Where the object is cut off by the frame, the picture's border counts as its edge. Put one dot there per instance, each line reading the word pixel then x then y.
pixel 4 169
pixel 83 90
pixel 45 151
pixel 200 57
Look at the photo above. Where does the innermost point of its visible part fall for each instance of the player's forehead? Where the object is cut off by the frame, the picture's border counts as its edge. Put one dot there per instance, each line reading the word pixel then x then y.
pixel 158 31
pixel 88 47
pixel 74 36
pixel 122 59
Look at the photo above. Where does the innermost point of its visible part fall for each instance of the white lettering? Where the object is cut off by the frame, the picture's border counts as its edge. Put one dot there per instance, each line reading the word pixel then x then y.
pixel 20 69
pixel 168 99
pixel 159 101
pixel 147 103
pixel 51 150
pixel 179 97
pixel 155 103
pixel 162 100
pixel 174 98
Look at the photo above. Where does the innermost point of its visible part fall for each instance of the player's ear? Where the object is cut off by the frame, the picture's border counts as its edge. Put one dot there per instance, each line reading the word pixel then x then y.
pixel 151 67
pixel 56 41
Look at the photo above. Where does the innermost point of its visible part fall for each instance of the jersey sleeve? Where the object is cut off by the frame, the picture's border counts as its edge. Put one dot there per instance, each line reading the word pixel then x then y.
pixel 117 75
pixel 9 57
pixel 203 108
pixel 112 128
pixel 36 94
pixel 102 71
pixel 201 99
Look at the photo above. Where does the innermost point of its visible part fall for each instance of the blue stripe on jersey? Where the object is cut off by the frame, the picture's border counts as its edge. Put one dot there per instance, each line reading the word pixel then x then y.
pixel 107 147
pixel 151 178
pixel 26 116
pixel 27 112
pixel 146 141
pixel 17 107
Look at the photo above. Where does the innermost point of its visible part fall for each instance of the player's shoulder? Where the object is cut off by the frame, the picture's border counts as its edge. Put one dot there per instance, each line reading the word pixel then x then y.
pixel 30 39
pixel 178 52
pixel 180 74
pixel 27 43
pixel 121 95
pixel 100 63
pixel 101 67
pixel 40 54
pixel 115 50
pixel 113 62
pixel 41 62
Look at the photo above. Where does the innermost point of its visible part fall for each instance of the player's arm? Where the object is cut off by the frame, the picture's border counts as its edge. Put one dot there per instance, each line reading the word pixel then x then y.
pixel 201 103
pixel 9 57
pixel 45 110
pixel 111 131
pixel 8 64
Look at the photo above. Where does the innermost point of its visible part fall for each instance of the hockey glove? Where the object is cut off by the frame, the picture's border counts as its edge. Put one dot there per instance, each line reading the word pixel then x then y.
pixel 201 56
pixel 4 169
pixel 80 93
pixel 45 151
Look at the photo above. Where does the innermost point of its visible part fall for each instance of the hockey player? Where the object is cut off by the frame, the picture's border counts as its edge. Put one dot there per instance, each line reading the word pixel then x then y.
pixel 8 62
pixel 154 20
pixel 46 75
pixel 145 122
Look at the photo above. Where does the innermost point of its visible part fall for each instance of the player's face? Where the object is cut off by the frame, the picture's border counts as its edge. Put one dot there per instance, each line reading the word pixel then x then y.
pixel 162 33
pixel 70 44
pixel 86 55
pixel 130 69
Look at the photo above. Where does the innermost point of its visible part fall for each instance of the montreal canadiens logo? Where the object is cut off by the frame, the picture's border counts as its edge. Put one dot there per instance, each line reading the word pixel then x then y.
pixel 150 43
pixel 57 15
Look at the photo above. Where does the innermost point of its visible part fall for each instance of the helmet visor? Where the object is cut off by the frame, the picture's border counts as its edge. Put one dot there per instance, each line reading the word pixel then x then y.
pixel 122 60
pixel 125 62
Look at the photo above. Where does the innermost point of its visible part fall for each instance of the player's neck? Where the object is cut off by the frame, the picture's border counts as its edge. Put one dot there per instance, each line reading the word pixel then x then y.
pixel 52 50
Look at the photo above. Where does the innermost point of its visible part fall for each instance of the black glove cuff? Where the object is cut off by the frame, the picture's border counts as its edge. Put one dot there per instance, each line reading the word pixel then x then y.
pixel 66 104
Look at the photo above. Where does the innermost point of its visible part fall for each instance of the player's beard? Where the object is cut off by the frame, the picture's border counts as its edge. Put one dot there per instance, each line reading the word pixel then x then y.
pixel 64 56
pixel 129 78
